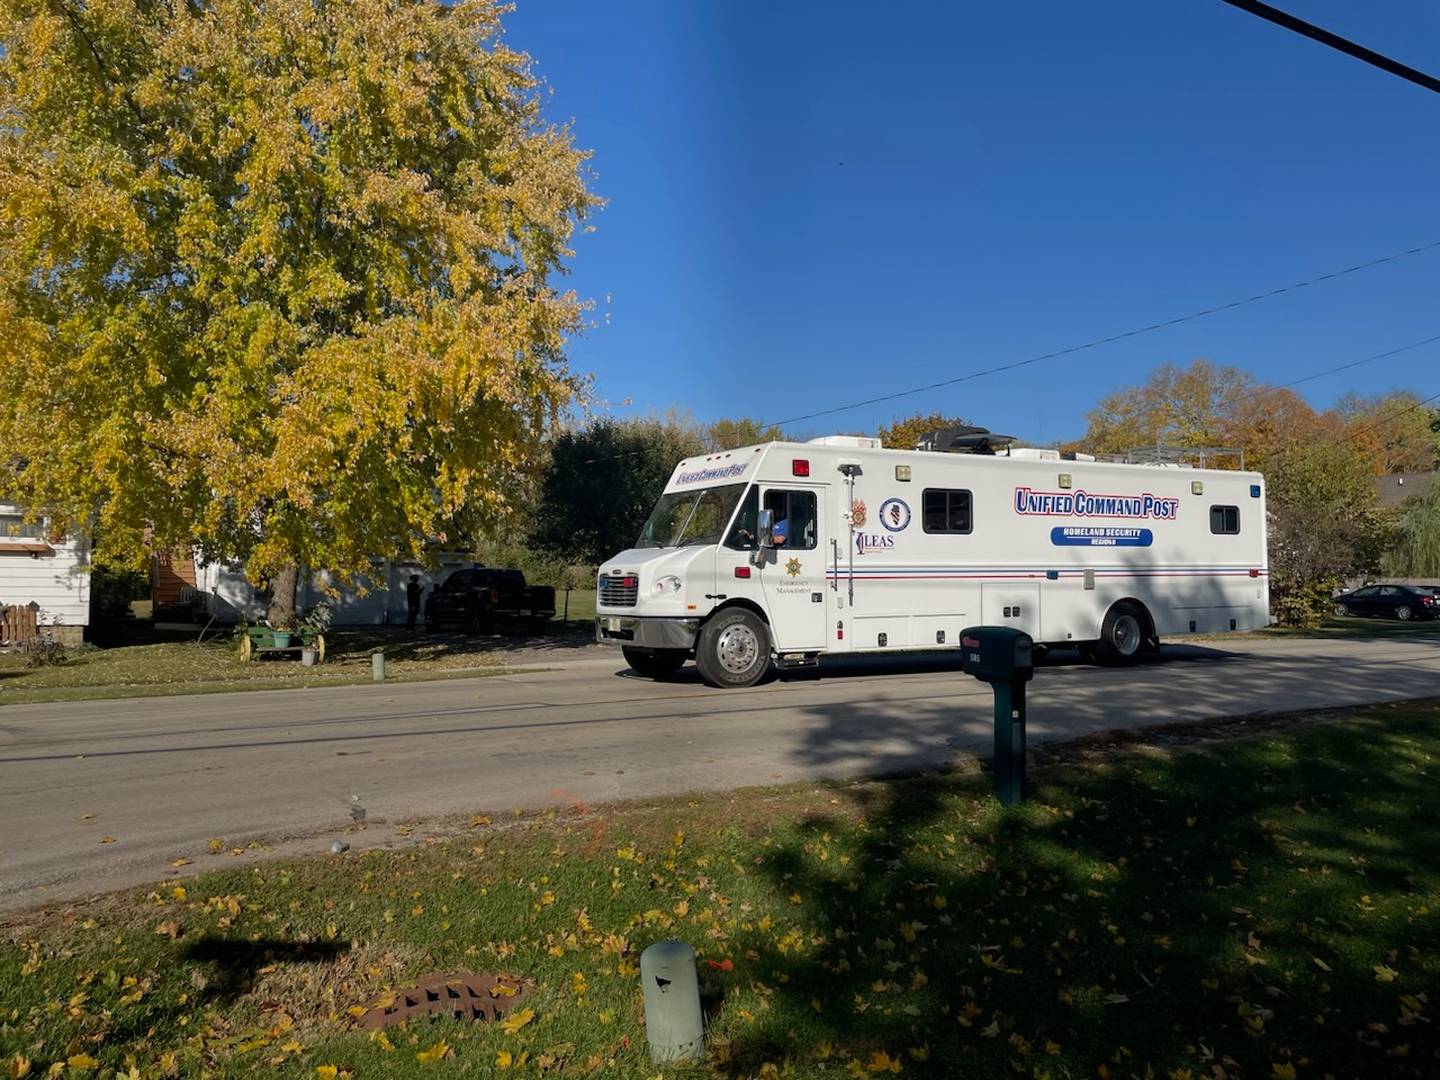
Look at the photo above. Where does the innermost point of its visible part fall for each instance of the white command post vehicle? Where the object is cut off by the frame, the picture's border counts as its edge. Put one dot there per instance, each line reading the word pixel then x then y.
pixel 782 553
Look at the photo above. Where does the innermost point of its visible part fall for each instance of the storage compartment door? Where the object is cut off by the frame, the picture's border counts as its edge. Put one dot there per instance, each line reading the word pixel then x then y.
pixel 1017 604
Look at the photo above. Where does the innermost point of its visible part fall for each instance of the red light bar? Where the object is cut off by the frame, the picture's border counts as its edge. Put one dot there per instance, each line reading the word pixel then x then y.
pixel 1254 573
pixel 742 571
pixel 629 582
pixel 799 467
pixel 970 642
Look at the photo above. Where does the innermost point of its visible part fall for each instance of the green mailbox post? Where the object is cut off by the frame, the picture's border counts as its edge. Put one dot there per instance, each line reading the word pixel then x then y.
pixel 1005 658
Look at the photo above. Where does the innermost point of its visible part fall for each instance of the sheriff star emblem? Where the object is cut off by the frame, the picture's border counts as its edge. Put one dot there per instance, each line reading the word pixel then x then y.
pixel 793 568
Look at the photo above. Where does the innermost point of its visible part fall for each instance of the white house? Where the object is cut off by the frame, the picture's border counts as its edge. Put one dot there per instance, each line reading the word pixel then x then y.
pixel 53 573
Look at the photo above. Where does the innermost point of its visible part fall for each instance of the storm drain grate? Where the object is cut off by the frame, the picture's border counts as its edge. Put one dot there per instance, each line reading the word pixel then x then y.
pixel 467 995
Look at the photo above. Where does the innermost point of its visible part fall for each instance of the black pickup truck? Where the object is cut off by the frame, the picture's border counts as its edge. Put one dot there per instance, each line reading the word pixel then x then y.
pixel 485 596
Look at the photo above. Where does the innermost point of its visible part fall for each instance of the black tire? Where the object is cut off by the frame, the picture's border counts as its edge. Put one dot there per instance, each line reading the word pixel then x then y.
pixel 1342 609
pixel 734 649
pixel 1404 613
pixel 1122 635
pixel 658 664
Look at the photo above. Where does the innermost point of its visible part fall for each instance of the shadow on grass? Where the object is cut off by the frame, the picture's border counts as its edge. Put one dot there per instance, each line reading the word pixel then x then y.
pixel 229 966
pixel 1252 904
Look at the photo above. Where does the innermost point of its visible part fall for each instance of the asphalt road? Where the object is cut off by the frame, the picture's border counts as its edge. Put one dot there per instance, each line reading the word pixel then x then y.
pixel 287 769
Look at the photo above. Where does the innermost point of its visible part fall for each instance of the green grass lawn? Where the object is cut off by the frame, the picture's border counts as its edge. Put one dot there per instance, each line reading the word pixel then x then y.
pixel 184 667
pixel 581 610
pixel 1267 906
pixel 1351 627
pixel 145 668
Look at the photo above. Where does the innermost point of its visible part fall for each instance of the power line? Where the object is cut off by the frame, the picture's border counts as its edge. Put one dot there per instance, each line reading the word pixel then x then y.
pixel 1335 41
pixel 1357 363
pixel 1256 394
pixel 1112 338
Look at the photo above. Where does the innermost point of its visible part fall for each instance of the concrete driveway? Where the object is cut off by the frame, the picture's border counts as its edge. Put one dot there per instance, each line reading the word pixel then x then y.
pixel 291 769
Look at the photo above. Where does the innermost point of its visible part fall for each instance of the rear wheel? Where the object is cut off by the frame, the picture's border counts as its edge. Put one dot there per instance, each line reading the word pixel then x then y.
pixel 657 664
pixel 1403 613
pixel 1122 635
pixel 734 649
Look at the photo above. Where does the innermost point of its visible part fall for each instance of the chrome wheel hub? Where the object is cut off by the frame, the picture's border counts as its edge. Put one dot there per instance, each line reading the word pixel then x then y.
pixel 737 649
pixel 1126 635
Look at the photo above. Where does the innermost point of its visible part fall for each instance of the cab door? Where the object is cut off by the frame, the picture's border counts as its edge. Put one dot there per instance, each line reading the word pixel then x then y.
pixel 792 572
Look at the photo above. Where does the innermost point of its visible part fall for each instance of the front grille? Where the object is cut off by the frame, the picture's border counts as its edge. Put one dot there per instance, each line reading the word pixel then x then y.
pixel 619 590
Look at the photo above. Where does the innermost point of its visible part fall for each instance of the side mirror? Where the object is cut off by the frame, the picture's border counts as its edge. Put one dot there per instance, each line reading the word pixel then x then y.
pixel 765 528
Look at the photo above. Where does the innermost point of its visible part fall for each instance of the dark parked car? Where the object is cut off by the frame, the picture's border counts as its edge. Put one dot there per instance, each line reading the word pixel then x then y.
pixel 1390 602
pixel 483 596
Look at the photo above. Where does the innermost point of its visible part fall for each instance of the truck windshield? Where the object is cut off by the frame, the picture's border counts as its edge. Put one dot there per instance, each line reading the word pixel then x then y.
pixel 682 518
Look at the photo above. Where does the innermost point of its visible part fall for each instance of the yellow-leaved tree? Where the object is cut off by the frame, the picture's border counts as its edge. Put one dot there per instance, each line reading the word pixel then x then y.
pixel 278 278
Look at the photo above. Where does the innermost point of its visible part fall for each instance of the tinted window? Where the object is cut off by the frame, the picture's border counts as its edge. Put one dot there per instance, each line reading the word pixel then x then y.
pixel 1369 590
pixel 1389 590
pixel 1225 520
pixel 460 579
pixel 510 579
pixel 945 511
pixel 795 518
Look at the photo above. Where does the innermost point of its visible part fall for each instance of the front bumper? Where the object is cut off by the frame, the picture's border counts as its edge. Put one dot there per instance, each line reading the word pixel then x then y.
pixel 646 632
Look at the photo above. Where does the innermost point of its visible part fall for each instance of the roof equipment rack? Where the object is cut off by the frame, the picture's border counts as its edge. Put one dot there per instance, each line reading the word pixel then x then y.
pixel 963 440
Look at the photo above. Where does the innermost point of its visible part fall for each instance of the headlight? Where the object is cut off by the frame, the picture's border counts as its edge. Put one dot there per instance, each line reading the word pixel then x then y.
pixel 666 585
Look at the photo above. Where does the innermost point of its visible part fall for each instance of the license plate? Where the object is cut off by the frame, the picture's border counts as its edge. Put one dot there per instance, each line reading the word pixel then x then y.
pixel 613 625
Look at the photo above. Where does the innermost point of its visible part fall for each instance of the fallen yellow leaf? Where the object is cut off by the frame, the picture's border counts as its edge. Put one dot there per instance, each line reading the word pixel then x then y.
pixel 19 1066
pixel 81 1062
pixel 515 1021
pixel 881 1062
pixel 438 1052
pixel 326 1072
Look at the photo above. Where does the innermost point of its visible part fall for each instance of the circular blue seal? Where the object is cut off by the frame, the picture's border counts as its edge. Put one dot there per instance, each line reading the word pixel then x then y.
pixel 894 515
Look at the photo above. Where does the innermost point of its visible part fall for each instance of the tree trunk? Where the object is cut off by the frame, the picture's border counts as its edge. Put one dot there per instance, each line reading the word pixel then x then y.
pixel 280 613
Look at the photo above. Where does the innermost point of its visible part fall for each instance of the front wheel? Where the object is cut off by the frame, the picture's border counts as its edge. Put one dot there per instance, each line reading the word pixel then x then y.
pixel 1122 636
pixel 1403 613
pixel 657 664
pixel 734 649
pixel 1342 609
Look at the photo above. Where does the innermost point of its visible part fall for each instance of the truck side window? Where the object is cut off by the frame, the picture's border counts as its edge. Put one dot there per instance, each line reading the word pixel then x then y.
pixel 945 511
pixel 796 510
pixel 742 533
pixel 1225 520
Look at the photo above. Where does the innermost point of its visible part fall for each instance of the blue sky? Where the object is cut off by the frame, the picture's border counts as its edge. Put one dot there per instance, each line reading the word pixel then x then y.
pixel 814 203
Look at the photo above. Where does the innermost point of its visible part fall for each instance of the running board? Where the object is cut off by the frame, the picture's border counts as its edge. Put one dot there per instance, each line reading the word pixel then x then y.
pixel 797 661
